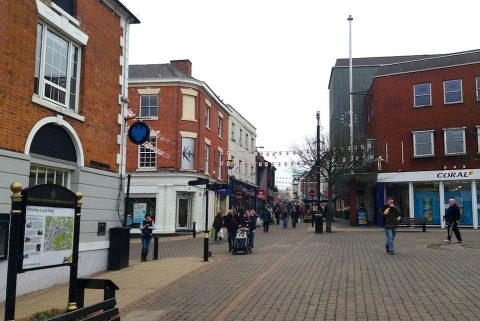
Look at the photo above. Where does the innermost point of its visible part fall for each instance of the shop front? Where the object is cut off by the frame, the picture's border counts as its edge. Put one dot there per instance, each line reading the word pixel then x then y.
pixel 426 194
pixel 242 195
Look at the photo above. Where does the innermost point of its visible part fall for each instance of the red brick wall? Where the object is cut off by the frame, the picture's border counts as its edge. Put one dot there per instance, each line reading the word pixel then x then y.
pixel 395 118
pixel 99 87
pixel 169 124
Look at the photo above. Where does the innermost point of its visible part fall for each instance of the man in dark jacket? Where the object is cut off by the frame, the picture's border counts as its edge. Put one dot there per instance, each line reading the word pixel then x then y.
pixel 391 215
pixel 278 211
pixel 231 223
pixel 452 217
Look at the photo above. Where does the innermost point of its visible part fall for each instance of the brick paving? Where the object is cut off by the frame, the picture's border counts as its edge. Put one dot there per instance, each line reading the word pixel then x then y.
pixel 295 274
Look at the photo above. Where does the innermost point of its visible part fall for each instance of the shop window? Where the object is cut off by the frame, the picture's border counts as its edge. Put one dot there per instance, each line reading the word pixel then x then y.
pixel 454 139
pixel 148 106
pixel 427 202
pixel 452 90
pixel 478 201
pixel 57 68
pixel 4 228
pixel 48 175
pixel 147 157
pixel 423 144
pixel 137 208
pixel 461 191
pixel 399 192
pixel 422 95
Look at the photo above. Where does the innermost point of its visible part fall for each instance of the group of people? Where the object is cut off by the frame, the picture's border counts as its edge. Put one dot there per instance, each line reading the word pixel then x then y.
pixel 233 221
pixel 392 216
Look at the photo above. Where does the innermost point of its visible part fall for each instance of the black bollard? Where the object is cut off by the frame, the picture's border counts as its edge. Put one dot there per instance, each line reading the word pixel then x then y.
pixel 194 229
pixel 318 223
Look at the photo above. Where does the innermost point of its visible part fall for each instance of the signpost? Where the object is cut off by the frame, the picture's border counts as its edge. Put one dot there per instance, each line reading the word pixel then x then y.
pixel 44 233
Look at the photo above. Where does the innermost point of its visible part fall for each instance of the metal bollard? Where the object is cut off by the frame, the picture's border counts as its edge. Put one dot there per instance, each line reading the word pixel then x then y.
pixel 155 247
pixel 318 223
pixel 194 229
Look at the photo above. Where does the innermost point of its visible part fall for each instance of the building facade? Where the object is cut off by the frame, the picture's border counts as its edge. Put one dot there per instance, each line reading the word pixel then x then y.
pixel 63 79
pixel 242 169
pixel 424 117
pixel 188 140
pixel 266 182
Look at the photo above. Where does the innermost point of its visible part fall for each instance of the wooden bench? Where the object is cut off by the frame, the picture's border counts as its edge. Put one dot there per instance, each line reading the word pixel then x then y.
pixel 103 311
pixel 413 222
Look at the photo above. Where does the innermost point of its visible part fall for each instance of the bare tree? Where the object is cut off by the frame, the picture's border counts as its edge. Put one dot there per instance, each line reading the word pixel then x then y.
pixel 336 164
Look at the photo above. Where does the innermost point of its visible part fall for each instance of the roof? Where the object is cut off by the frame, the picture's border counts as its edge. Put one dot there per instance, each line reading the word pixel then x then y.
pixel 153 71
pixel 134 19
pixel 434 62
pixel 377 61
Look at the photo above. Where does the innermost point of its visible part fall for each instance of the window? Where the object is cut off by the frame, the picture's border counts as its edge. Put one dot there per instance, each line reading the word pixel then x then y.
pixel 57 68
pixel 478 88
pixel 478 140
pixel 454 139
pixel 233 132
pixel 188 153
pixel 48 175
pixel 240 137
pixel 453 91
pixel 207 116
pixel 246 140
pixel 423 143
pixel 148 106
pixel 4 228
pixel 219 164
pixel 220 127
pixel 252 146
pixel 66 5
pixel 207 157
pixel 147 157
pixel 423 95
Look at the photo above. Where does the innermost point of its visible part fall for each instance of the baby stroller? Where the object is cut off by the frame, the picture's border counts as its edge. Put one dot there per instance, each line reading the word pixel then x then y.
pixel 240 243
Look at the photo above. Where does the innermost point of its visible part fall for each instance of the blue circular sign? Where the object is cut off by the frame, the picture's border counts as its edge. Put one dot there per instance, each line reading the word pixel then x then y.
pixel 139 132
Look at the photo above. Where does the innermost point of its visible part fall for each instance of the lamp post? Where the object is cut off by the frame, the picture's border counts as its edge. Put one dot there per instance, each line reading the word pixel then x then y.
pixel 295 188
pixel 350 82
pixel 318 218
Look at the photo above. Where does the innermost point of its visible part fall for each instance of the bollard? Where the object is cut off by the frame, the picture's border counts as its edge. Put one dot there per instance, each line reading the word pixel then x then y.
pixel 194 229
pixel 155 247
pixel 318 223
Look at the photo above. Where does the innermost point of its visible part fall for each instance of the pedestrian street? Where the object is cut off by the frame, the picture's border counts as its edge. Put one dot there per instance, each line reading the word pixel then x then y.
pixel 295 274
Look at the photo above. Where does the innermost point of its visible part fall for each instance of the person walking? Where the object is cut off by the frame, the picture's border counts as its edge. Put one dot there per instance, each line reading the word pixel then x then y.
pixel 266 218
pixel 391 215
pixel 146 228
pixel 285 217
pixel 451 218
pixel 231 223
pixel 294 216
pixel 217 225
pixel 278 211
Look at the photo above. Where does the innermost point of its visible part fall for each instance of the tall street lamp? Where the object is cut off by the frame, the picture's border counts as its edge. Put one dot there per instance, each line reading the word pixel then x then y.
pixel 350 82
pixel 318 218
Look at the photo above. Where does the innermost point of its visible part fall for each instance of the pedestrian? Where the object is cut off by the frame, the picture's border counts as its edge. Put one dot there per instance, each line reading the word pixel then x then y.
pixel 231 223
pixel 451 218
pixel 217 225
pixel 391 215
pixel 294 216
pixel 250 223
pixel 278 211
pixel 285 217
pixel 146 228
pixel 266 218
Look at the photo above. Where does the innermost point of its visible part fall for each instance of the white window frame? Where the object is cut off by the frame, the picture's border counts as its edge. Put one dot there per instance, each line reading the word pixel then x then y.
pixel 206 166
pixel 445 142
pixel 40 58
pixel 445 92
pixel 432 143
pixel 477 86
pixel 233 132
pixel 219 164
pixel 478 139
pixel 220 127
pixel 240 137
pixel 150 107
pixel 144 152
pixel 415 95
pixel 246 141
pixel 65 175
pixel 207 116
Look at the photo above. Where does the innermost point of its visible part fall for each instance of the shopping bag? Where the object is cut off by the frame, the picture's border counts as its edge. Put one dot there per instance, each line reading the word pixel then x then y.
pixel 212 232
pixel 220 234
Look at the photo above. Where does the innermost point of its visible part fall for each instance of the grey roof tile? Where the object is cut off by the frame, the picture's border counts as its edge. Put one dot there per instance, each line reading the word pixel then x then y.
pixel 153 71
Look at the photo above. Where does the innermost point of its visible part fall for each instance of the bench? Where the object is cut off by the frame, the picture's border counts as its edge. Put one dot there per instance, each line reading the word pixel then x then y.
pixel 103 311
pixel 414 222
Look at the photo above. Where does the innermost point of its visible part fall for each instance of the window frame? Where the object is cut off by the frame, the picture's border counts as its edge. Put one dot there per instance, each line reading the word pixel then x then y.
pixel 233 133
pixel 432 143
pixel 478 139
pixel 5 223
pixel 207 116
pixel 150 107
pixel 66 175
pixel 219 164
pixel 415 95
pixel 40 58
pixel 206 164
pixel 477 86
pixel 220 127
pixel 445 92
pixel 445 142
pixel 240 137
pixel 152 140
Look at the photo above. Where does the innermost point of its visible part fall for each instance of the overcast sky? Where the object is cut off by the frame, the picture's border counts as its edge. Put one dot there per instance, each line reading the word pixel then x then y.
pixel 271 59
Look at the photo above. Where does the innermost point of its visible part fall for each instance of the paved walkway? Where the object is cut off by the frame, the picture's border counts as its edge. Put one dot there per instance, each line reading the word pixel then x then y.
pixel 295 274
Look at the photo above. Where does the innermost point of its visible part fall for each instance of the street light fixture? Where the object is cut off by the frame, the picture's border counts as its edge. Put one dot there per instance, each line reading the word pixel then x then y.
pixel 318 216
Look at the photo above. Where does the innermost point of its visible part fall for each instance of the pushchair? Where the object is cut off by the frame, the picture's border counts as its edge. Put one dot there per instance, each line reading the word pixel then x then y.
pixel 241 243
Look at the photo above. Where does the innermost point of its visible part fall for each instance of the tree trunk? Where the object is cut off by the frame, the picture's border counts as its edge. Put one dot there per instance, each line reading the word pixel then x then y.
pixel 329 216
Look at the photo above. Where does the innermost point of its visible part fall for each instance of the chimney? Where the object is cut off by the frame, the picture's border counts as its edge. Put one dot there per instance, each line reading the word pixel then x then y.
pixel 183 65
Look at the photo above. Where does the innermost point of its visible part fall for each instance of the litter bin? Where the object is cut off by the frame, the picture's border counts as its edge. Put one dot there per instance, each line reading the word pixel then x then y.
pixel 119 250
pixel 318 223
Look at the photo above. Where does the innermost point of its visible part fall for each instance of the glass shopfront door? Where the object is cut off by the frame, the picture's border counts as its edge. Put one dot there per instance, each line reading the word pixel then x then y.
pixel 184 210
pixel 426 199
pixel 461 191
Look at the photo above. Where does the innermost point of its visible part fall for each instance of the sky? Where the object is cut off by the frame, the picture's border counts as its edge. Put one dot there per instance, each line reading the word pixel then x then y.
pixel 271 59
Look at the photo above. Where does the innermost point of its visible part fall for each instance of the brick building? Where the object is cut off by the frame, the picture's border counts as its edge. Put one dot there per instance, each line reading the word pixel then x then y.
pixel 424 117
pixel 189 140
pixel 62 78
